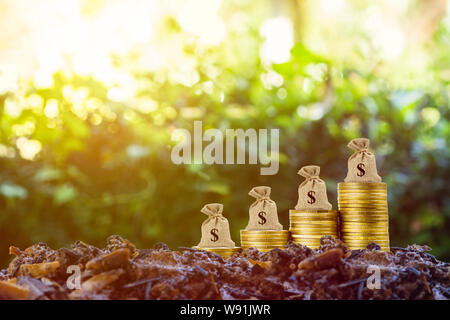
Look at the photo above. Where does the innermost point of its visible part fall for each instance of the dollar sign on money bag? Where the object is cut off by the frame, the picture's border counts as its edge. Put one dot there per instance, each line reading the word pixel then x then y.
pixel 360 167
pixel 261 216
pixel 214 234
pixel 311 199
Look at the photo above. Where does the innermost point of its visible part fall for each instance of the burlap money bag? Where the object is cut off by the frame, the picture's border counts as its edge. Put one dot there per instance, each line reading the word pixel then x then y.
pixel 312 193
pixel 362 165
pixel 215 229
pixel 263 212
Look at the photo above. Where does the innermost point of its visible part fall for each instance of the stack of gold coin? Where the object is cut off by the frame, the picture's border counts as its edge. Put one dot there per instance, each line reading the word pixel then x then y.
pixel 224 252
pixel 264 240
pixel 308 226
pixel 363 212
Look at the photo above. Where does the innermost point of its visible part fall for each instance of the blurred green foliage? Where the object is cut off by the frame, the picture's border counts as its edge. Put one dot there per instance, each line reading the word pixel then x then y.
pixel 105 168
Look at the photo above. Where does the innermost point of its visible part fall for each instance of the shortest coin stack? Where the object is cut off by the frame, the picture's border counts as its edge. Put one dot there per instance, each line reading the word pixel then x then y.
pixel 307 227
pixel 224 252
pixel 264 240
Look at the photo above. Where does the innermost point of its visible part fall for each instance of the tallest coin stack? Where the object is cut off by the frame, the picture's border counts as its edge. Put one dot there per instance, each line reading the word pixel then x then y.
pixel 364 214
pixel 362 201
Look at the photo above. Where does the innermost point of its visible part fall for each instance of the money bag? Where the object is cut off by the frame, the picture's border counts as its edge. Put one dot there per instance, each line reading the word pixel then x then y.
pixel 215 229
pixel 362 165
pixel 312 193
pixel 263 212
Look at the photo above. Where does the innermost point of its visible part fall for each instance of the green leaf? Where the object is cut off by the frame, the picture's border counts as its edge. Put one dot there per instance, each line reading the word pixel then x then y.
pixel 10 190
pixel 47 174
pixel 64 194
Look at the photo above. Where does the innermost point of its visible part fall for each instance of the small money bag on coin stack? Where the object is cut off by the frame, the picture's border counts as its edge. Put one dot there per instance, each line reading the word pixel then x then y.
pixel 362 200
pixel 312 217
pixel 216 232
pixel 263 231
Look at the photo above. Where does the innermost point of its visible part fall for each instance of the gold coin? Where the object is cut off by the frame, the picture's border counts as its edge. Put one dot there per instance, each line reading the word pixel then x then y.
pixel 361 184
pixel 365 199
pixel 314 219
pixel 264 236
pixel 309 227
pixel 363 208
pixel 364 230
pixel 365 219
pixel 264 239
pixel 364 233
pixel 371 189
pixel 312 237
pixel 362 188
pixel 331 213
pixel 295 211
pixel 317 231
pixel 263 243
pixel 352 210
pixel 377 224
pixel 362 191
pixel 373 238
pixel 307 234
pixel 362 200
pixel 264 247
pixel 363 214
pixel 348 200
pixel 364 205
pixel 313 227
pixel 368 221
pixel 264 231
pixel 365 237
pixel 364 223
pixel 315 223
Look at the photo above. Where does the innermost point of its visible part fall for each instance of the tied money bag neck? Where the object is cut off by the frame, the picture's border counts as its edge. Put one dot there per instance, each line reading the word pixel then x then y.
pixel 362 166
pixel 215 229
pixel 312 193
pixel 263 213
